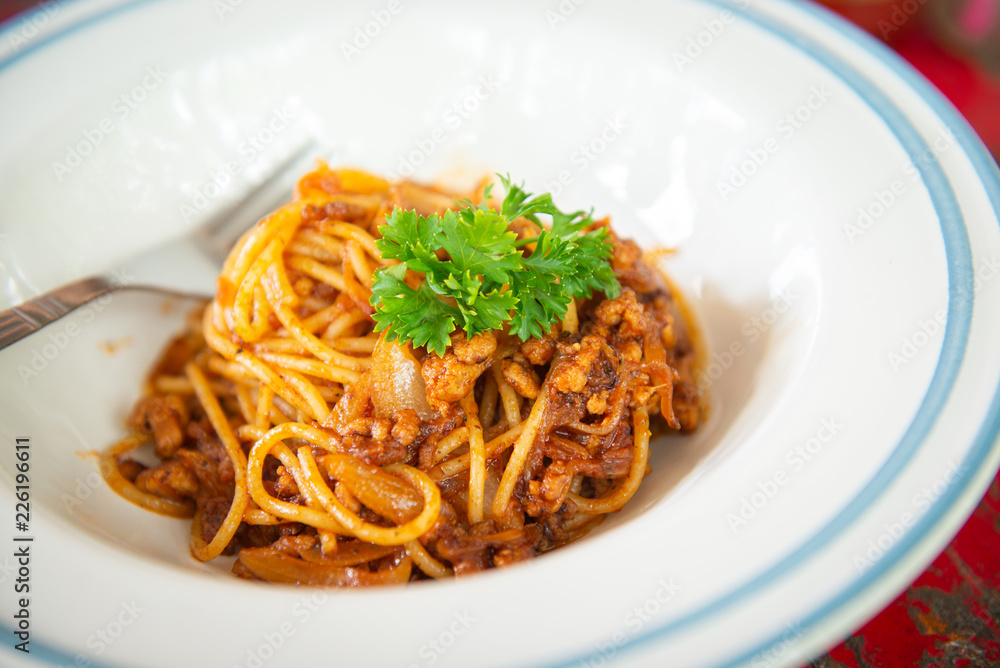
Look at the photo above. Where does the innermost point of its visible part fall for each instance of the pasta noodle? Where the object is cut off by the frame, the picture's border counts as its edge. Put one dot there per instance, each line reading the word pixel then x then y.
pixel 318 452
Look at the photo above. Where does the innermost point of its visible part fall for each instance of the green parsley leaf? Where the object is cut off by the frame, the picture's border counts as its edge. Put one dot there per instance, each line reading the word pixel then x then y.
pixel 479 243
pixel 409 236
pixel 418 316
pixel 478 275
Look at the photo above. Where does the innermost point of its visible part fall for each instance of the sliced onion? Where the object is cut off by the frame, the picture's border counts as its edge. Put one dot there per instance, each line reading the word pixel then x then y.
pixel 281 568
pixel 394 381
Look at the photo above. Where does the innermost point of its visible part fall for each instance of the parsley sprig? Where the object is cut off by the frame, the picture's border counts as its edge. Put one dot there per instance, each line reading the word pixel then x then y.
pixel 486 276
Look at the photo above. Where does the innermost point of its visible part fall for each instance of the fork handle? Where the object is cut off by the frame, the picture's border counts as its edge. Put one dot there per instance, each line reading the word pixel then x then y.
pixel 30 316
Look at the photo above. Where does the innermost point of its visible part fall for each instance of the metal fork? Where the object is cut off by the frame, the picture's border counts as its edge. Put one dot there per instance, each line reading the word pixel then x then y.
pixel 215 236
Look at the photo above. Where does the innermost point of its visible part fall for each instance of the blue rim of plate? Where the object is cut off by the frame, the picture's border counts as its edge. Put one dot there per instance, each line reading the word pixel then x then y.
pixel 960 305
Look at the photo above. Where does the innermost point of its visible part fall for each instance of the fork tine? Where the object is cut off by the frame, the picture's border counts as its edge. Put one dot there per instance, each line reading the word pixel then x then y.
pixel 221 232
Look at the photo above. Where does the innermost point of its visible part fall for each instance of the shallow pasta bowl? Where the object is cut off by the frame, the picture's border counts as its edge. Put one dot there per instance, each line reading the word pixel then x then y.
pixel 836 231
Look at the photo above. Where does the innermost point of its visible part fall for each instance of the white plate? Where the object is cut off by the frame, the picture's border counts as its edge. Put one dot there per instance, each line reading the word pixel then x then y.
pixel 845 279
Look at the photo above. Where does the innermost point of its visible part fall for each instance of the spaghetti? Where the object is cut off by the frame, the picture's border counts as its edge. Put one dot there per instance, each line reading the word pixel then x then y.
pixel 320 453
